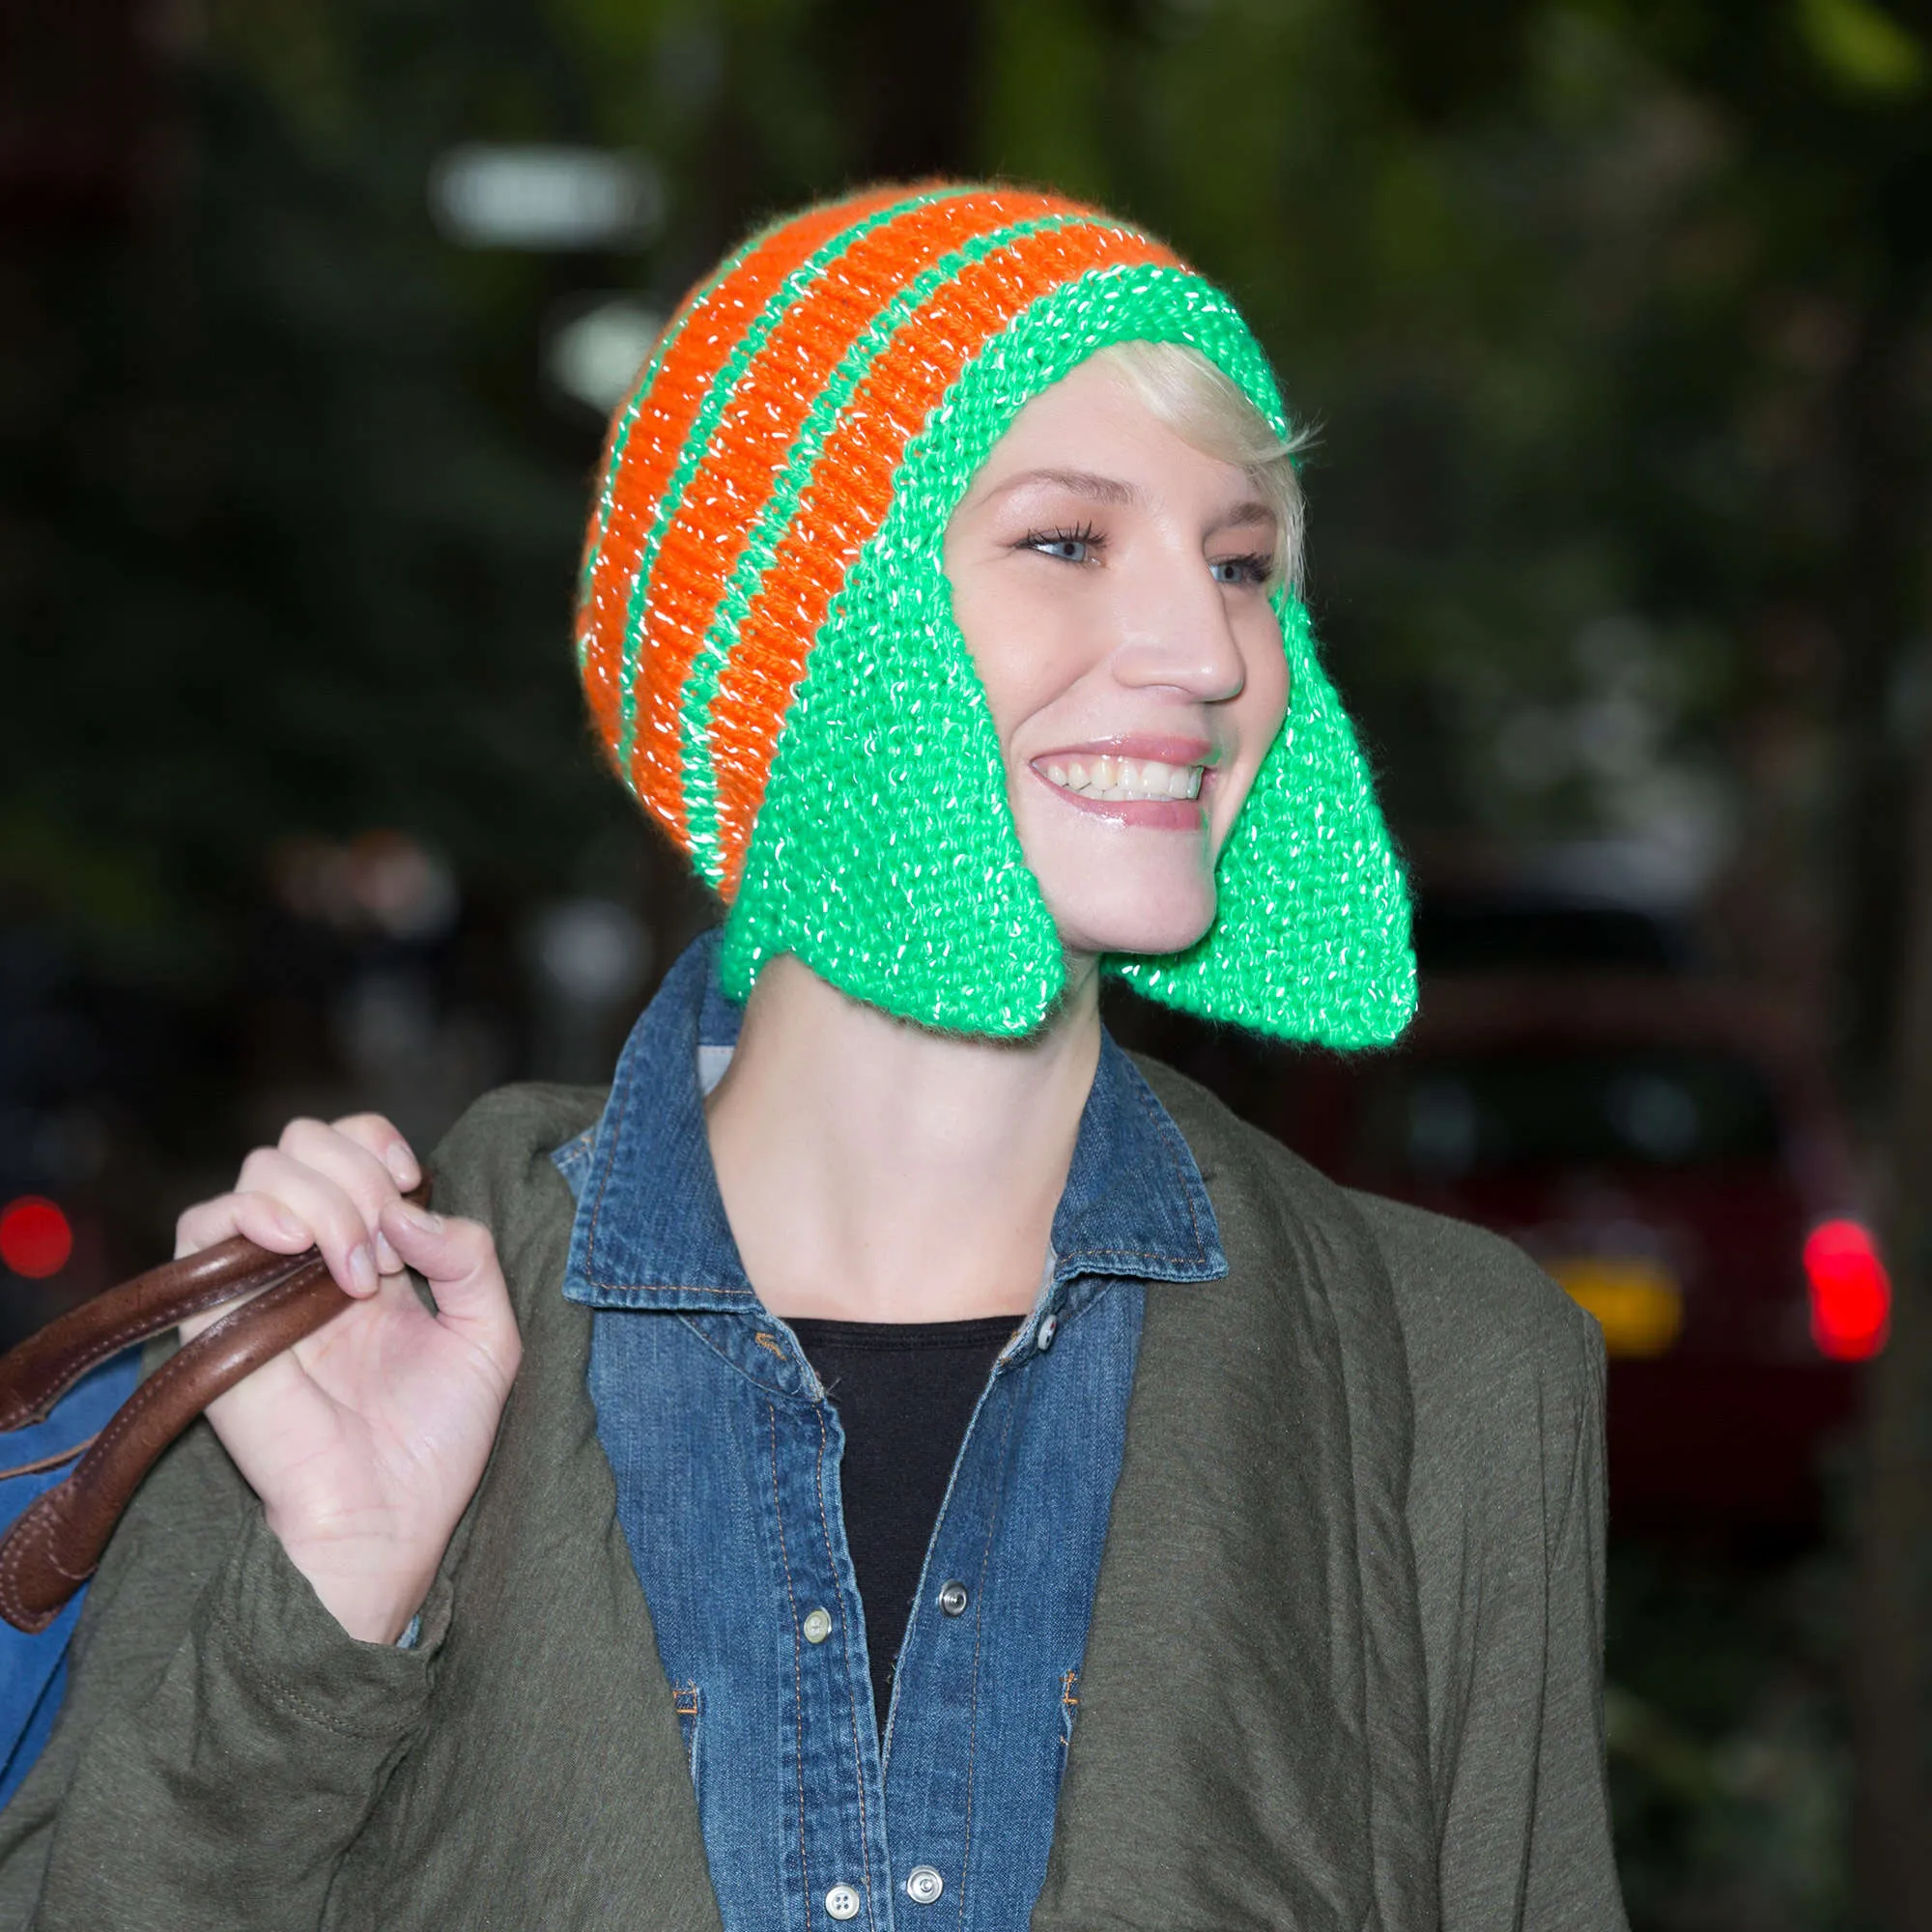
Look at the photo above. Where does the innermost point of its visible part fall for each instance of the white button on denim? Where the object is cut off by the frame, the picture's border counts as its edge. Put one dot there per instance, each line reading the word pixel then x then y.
pixel 817 1626
pixel 841 1902
pixel 1048 1329
pixel 924 1885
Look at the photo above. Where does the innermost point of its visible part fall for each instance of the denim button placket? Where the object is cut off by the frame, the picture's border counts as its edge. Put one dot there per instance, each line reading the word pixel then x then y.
pixel 717 1383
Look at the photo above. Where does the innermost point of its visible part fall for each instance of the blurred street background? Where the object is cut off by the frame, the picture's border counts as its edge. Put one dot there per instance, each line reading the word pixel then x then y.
pixel 1615 320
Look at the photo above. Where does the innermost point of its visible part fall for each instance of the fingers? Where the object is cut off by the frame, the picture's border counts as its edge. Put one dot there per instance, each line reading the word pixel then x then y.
pixel 260 1217
pixel 354 1153
pixel 338 1215
pixel 324 1185
pixel 458 1259
pixel 377 1136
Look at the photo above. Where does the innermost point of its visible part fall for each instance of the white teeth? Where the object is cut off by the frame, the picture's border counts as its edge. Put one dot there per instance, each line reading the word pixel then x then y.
pixel 1125 779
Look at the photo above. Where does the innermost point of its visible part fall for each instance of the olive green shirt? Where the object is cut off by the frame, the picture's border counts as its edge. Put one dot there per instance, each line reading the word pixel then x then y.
pixel 1343 1669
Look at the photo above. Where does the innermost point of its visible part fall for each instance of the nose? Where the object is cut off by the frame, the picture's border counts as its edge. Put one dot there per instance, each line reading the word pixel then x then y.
pixel 1175 632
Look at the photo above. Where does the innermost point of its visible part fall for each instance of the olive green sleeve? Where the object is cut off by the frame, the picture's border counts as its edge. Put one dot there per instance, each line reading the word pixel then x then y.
pixel 222 1740
pixel 1506 1512
pixel 1572 1878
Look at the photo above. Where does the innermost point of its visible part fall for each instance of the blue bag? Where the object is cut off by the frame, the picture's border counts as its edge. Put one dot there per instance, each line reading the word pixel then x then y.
pixel 33 1669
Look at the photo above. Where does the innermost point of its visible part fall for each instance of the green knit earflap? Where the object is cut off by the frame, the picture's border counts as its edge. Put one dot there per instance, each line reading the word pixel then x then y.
pixel 884 854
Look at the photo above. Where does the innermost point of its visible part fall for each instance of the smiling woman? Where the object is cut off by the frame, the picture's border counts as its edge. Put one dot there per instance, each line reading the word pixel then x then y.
pixel 948 1461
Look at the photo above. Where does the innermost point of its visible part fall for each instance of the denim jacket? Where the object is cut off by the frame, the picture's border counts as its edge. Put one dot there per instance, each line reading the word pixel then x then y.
pixel 726 1455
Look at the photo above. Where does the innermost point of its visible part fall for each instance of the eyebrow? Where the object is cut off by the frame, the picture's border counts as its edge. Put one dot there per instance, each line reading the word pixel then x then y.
pixel 1254 511
pixel 1111 489
pixel 1082 483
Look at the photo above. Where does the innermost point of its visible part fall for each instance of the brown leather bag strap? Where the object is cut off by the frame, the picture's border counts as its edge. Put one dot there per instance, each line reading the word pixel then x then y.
pixel 42 1369
pixel 53 1548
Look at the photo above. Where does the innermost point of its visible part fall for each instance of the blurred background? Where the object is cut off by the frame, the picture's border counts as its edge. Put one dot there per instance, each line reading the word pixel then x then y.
pixel 1615 318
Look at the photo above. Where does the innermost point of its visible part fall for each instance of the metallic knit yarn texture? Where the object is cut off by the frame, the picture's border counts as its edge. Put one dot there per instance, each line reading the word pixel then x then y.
pixel 767 643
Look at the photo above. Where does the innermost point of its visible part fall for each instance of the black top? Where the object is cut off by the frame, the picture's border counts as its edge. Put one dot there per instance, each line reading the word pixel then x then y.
pixel 905 1392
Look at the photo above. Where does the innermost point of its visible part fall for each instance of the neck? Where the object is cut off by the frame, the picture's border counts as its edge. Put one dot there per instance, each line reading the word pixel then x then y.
pixel 876 1171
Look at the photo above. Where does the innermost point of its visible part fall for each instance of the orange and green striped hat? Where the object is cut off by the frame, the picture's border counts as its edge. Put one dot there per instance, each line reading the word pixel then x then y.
pixel 767 643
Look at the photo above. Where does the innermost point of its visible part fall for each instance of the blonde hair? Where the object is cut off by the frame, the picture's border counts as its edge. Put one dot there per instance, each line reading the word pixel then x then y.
pixel 1206 407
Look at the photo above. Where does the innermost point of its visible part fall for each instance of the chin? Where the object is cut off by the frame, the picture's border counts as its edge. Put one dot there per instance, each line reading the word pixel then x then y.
pixel 1168 923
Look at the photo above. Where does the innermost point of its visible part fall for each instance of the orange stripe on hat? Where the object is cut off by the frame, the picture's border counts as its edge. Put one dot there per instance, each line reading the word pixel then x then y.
pixel 747 455
pixel 715 321
pixel 851 489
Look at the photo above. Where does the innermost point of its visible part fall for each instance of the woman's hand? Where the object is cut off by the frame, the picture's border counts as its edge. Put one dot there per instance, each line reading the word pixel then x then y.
pixel 366 1440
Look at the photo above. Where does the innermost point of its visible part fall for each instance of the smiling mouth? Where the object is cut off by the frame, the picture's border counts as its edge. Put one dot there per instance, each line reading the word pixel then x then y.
pixel 1124 780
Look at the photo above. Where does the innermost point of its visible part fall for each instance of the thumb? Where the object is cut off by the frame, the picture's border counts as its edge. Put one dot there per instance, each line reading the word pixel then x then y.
pixel 458 1259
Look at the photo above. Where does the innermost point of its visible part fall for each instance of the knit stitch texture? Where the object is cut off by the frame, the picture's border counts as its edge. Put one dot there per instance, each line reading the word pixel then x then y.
pixel 767 644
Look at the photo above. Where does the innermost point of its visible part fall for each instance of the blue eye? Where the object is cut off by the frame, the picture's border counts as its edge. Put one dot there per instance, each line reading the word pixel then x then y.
pixel 1075 545
pixel 1252 571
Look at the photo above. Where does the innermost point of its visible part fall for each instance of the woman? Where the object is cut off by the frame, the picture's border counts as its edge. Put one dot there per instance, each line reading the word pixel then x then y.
pixel 893 1458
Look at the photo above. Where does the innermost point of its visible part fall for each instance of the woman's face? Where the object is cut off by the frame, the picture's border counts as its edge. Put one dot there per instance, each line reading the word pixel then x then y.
pixel 1111 584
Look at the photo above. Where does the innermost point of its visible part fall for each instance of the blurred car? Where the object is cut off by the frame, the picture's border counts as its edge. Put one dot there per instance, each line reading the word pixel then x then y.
pixel 1670 1149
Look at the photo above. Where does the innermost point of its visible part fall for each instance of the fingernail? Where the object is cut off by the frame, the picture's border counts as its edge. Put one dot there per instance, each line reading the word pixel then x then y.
pixel 386 1258
pixel 362 1268
pixel 418 1218
pixel 286 1221
pixel 402 1165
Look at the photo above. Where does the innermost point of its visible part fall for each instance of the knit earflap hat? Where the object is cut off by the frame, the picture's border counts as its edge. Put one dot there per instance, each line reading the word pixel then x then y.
pixel 767 636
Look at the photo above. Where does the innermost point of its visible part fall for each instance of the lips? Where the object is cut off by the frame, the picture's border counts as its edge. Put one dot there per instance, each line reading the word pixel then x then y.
pixel 1155 783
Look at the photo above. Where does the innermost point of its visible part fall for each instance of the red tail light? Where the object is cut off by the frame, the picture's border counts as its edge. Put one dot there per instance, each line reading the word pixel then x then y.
pixel 1851 1293
pixel 35 1237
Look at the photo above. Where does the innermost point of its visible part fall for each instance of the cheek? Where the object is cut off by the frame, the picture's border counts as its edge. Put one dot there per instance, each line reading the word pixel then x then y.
pixel 1025 646
pixel 1258 712
pixel 1264 690
pixel 986 622
pixel 1268 678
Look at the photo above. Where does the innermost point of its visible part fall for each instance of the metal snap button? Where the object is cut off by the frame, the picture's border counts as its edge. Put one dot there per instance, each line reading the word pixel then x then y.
pixel 924 1885
pixel 817 1626
pixel 1048 1329
pixel 841 1902
pixel 953 1597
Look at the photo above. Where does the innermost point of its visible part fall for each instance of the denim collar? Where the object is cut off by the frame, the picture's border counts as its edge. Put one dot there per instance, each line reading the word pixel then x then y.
pixel 651 1231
